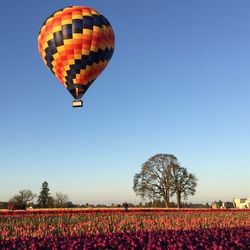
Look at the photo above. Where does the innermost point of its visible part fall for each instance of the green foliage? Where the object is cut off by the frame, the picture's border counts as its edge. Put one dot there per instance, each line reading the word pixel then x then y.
pixel 45 200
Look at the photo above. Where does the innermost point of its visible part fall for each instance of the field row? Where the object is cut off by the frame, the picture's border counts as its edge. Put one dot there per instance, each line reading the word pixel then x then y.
pixel 66 224
pixel 114 210
pixel 210 238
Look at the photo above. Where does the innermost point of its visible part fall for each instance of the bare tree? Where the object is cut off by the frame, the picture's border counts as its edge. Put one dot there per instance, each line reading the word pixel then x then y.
pixel 183 183
pixel 154 179
pixel 61 199
pixel 22 199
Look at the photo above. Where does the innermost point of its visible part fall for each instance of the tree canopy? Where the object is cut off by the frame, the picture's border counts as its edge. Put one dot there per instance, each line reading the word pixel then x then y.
pixel 61 200
pixel 161 177
pixel 45 200
pixel 183 183
pixel 22 199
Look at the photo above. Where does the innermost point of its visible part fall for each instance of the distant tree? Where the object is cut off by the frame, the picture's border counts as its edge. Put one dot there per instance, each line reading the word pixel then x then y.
pixel 140 204
pixel 4 204
pixel 100 205
pixel 130 204
pixel 44 199
pixel 51 202
pixel 22 199
pixel 60 200
pixel 87 205
pixel 183 183
pixel 193 205
pixel 158 203
pixel 154 181
pixel 172 204
pixel 148 204
pixel 70 204
pixel 220 203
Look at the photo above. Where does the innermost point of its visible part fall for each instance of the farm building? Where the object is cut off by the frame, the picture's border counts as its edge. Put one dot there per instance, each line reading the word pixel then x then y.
pixel 241 202
pixel 215 204
pixel 220 204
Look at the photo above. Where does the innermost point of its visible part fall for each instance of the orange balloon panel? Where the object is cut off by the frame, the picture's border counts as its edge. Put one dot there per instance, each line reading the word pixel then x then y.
pixel 76 43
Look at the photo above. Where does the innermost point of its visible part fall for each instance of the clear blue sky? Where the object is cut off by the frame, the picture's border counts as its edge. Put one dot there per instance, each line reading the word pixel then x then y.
pixel 179 83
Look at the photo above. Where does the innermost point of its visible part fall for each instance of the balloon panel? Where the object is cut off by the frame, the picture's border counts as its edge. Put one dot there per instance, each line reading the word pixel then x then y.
pixel 76 43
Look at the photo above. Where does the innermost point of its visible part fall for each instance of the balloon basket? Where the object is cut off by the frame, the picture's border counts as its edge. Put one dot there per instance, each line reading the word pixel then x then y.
pixel 77 103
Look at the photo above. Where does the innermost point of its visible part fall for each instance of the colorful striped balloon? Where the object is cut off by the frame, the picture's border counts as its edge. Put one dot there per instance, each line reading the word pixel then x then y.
pixel 76 44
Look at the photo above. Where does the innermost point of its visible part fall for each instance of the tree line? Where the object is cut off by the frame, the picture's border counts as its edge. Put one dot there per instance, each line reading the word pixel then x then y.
pixel 161 178
pixel 25 198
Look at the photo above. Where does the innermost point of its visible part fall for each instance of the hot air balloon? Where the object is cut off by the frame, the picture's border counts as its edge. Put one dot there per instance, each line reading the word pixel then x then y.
pixel 76 44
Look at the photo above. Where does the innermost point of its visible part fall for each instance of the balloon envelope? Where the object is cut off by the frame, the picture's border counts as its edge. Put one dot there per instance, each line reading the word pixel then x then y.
pixel 76 44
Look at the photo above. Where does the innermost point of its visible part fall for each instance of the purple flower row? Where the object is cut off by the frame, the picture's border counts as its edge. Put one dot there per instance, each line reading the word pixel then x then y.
pixel 210 238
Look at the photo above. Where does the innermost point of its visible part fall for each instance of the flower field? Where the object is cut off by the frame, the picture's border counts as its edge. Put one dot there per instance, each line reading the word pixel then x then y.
pixel 116 229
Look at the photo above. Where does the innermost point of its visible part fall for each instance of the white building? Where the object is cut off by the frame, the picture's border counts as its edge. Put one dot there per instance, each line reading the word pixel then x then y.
pixel 241 203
